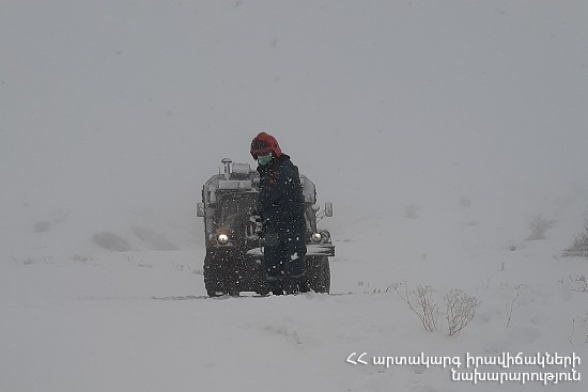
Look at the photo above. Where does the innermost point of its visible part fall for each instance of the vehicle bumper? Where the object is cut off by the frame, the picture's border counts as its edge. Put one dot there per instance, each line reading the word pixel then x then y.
pixel 311 250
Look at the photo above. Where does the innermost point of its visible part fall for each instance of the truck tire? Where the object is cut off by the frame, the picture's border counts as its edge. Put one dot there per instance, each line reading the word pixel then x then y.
pixel 212 282
pixel 219 276
pixel 319 274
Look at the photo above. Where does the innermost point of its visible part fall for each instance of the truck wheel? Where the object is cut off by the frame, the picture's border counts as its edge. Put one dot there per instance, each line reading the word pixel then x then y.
pixel 219 275
pixel 319 274
pixel 212 278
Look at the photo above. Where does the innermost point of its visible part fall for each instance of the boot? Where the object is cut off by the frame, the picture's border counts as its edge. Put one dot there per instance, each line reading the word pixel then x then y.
pixel 300 285
pixel 303 285
pixel 276 287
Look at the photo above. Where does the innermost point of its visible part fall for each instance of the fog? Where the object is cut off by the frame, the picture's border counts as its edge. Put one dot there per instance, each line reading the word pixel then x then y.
pixel 113 114
pixel 438 129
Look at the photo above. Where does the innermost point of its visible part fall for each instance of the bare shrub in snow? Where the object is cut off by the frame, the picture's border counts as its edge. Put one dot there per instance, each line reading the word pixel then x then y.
pixel 580 245
pixel 539 226
pixel 461 309
pixel 514 304
pixel 581 283
pixel 421 304
pixel 512 246
pixel 111 241
pixel 579 329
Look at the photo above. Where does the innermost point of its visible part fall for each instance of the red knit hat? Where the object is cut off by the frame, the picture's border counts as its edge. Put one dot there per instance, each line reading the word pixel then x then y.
pixel 263 144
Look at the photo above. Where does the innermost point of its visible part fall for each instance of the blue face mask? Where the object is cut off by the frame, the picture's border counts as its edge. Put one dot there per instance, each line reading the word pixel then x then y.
pixel 264 160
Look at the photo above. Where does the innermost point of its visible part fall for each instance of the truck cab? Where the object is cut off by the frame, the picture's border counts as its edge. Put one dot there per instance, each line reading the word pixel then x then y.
pixel 234 247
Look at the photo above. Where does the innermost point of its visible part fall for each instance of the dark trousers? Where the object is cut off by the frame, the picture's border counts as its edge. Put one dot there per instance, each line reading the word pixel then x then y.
pixel 284 254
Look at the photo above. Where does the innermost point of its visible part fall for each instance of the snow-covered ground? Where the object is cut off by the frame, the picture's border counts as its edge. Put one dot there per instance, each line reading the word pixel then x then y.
pixel 139 321
pixel 439 130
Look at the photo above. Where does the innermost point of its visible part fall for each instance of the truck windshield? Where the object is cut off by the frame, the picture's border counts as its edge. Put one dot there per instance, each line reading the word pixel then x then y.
pixel 236 207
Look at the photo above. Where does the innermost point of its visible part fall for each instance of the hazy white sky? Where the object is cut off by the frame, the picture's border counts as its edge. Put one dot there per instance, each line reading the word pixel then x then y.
pixel 130 105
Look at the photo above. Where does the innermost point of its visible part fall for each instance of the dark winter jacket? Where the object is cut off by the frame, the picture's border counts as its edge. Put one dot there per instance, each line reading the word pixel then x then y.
pixel 280 202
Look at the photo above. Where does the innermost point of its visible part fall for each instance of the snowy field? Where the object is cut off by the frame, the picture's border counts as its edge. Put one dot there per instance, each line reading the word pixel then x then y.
pixel 440 131
pixel 139 321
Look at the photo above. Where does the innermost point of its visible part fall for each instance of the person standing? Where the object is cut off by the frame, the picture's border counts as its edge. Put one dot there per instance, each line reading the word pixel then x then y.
pixel 280 204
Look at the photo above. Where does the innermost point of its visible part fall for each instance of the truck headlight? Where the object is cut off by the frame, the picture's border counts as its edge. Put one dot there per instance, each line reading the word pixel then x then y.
pixel 223 239
pixel 316 237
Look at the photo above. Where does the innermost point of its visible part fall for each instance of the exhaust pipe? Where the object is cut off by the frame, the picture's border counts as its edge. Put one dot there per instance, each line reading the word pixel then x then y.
pixel 227 162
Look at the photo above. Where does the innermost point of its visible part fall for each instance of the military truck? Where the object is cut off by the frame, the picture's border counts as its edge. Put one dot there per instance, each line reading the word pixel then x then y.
pixel 232 229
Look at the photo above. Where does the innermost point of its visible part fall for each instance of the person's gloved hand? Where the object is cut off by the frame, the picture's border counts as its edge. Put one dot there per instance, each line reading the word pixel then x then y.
pixel 259 228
